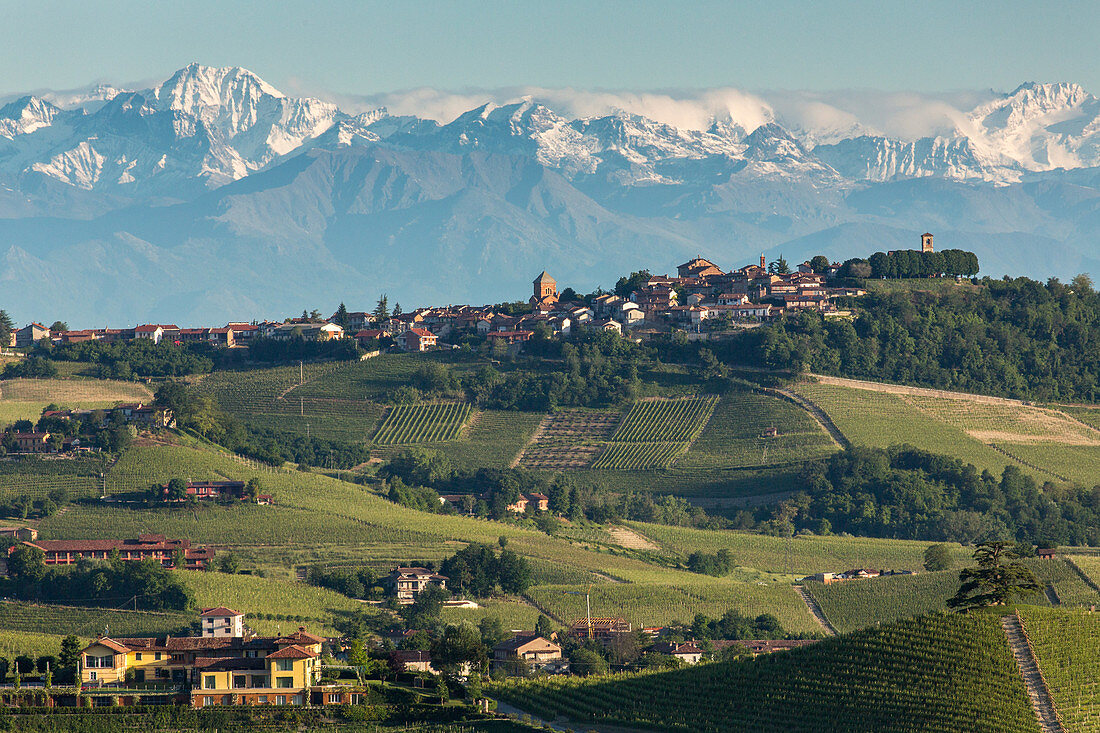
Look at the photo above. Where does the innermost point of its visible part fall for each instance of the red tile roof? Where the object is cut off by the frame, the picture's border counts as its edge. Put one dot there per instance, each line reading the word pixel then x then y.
pixel 219 612
pixel 291 652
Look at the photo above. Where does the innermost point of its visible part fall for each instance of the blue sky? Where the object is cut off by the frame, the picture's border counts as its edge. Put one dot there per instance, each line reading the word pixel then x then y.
pixel 360 47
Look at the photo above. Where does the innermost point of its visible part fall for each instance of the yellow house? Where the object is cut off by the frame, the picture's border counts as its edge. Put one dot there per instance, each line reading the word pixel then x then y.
pixel 224 670
pixel 283 677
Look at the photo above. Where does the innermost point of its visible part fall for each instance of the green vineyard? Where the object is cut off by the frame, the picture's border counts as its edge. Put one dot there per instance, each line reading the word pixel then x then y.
pixel 424 423
pixel 665 421
pixel 89 622
pixel 1067 645
pixel 935 673
pixel 639 455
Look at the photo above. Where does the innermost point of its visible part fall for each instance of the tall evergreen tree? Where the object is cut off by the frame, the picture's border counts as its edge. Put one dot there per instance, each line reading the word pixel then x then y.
pixel 999 578
pixel 382 309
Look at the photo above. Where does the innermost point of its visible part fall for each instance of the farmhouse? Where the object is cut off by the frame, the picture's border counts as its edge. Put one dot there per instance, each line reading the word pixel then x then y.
pixel 145 547
pixel 686 652
pixel 26 534
pixel 406 583
pixel 230 668
pixel 31 334
pixel 32 442
pixel 528 648
pixel 417 339
pixel 221 621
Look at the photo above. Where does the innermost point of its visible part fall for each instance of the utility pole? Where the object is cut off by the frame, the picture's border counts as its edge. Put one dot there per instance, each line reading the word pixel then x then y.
pixel 302 406
pixel 301 374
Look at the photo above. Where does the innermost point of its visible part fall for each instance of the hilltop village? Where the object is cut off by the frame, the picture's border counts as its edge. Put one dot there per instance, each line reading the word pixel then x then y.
pixel 701 298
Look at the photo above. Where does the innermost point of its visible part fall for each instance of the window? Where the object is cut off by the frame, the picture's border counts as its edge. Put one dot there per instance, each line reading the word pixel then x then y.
pixel 284 682
pixel 261 700
pixel 284 665
pixel 239 682
pixel 90 662
pixel 210 682
pixel 139 675
pixel 356 698
pixel 157 656
pixel 259 680
pixel 93 676
pixel 297 700
pixel 334 697
pixel 207 701
pixel 280 699
pixel 137 657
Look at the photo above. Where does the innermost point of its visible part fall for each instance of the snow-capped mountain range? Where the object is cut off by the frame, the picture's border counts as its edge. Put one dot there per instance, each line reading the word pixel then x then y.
pixel 167 187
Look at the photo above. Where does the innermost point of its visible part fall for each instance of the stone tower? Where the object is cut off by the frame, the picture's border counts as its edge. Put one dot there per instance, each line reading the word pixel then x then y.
pixel 545 286
pixel 926 242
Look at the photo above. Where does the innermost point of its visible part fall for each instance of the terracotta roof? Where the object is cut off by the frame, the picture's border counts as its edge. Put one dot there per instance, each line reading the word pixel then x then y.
pixel 110 644
pixel 520 640
pixel 291 652
pixel 219 611
pixel 301 636
pixel 422 333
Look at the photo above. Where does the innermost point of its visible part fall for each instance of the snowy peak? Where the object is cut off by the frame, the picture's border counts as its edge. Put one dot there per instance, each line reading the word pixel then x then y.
pixel 197 88
pixel 25 115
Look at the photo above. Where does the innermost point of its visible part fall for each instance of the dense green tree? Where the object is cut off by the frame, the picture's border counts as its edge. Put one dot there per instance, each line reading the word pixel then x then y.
pixel 819 263
pixel 779 266
pixel 998 579
pixel 937 557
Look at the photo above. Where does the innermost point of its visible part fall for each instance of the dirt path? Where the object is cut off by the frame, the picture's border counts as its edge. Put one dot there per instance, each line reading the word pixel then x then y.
pixel 565 724
pixel 816 412
pixel 605 576
pixel 919 391
pixel 1037 691
pixel 815 610
pixel 630 539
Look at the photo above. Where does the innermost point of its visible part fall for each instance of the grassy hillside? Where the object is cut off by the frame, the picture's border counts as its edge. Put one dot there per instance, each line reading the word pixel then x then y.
pixel 24 399
pixel 317 519
pixel 87 621
pixel 934 673
pixel 801 555
pixel 1048 443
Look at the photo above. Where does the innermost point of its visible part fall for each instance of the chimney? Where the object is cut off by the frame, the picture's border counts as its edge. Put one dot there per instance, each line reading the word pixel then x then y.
pixel 761 259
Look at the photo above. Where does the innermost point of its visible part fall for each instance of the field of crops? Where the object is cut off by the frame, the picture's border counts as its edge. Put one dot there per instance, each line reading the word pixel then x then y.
pixel 73 392
pixel 32 643
pixel 654 604
pixel 87 621
pixel 1088 415
pixel 514 615
pixel 801 555
pixel 568 439
pixel 881 420
pixel 857 604
pixel 1048 443
pixel 734 437
pixel 254 595
pixel 39 477
pixel 24 399
pixel 934 673
pixel 1067 645
pixel 492 439
pixel 665 421
pixel 638 456
pixel 423 423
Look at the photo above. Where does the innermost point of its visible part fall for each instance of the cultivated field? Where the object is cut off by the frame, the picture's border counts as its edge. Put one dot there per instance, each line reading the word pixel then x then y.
pixel 639 456
pixel 24 399
pixel 38 478
pixel 88 621
pixel 665 421
pixel 1067 645
pixel 424 423
pixel 1046 443
pixel 569 439
pixel 648 604
pixel 934 673
pixel 735 435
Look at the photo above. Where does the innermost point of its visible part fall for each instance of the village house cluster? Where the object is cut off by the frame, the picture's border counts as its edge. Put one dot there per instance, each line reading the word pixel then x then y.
pixel 138 414
pixel 700 292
